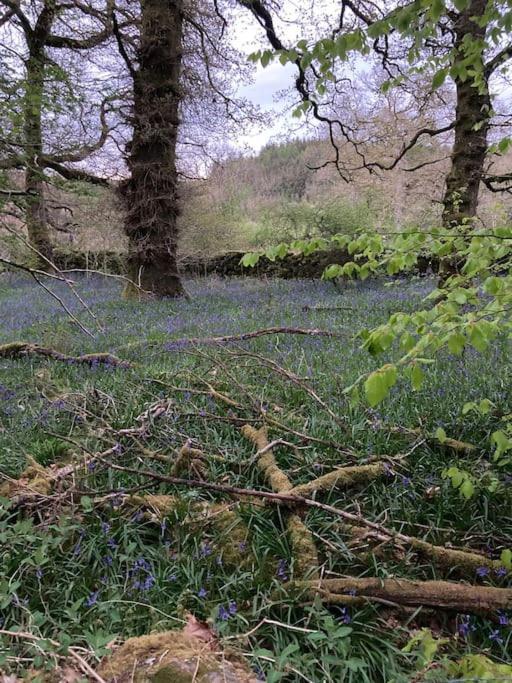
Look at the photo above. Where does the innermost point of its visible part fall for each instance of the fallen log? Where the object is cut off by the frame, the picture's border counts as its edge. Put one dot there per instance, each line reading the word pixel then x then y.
pixel 458 597
pixel 16 350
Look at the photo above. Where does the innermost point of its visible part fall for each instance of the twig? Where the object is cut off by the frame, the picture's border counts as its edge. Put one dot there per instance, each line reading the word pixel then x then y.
pixel 86 668
pixel 193 341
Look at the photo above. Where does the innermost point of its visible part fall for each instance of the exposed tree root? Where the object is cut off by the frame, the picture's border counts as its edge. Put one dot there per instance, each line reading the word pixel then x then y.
pixel 343 477
pixel 441 594
pixel 303 546
pixel 22 349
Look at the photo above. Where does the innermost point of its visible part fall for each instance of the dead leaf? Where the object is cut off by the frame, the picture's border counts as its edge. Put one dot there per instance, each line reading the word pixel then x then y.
pixel 198 629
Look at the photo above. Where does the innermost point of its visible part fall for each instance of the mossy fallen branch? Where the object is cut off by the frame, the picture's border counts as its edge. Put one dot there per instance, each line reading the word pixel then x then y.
pixel 305 555
pixel 464 562
pixel 458 597
pixel 343 477
pixel 16 350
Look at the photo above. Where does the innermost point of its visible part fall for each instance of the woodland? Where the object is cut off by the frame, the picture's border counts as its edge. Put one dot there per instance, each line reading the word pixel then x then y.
pixel 255 368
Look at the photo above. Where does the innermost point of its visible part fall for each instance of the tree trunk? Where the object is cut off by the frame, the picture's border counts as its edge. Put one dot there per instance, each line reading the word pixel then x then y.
pixel 150 194
pixel 37 225
pixel 473 110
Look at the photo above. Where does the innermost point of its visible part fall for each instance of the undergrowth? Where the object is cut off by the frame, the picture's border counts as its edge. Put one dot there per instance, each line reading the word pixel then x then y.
pixel 94 567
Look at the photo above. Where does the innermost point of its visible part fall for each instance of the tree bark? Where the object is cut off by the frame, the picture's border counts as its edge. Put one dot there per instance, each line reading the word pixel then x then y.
pixel 473 112
pixel 150 194
pixel 36 216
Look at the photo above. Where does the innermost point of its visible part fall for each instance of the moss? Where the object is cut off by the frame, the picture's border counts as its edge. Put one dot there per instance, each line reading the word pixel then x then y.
pixel 172 657
pixel 159 505
pixel 301 540
pixel 306 564
pixel 276 478
pixel 34 479
pixel 458 597
pixel 344 477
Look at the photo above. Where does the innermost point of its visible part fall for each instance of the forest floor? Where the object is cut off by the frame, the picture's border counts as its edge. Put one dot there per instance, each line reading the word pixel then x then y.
pixel 87 557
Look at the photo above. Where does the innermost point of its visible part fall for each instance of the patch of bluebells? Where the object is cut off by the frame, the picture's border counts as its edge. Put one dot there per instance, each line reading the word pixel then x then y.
pixel 141 575
pixel 225 613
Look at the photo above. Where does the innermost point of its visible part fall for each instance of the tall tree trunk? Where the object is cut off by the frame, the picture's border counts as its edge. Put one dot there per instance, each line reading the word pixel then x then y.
pixel 473 111
pixel 150 194
pixel 37 225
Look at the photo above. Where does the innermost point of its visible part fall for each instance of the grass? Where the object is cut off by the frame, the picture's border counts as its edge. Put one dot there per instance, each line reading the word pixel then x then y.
pixel 88 572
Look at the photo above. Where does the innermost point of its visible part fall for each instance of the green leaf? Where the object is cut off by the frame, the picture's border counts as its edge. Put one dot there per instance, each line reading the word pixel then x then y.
pixel 417 377
pixel 86 503
pixel 456 343
pixel 467 489
pixel 379 383
pixel 250 260
pixel 506 558
pixel 440 435
pixel 332 271
pixel 439 78
pixel 266 58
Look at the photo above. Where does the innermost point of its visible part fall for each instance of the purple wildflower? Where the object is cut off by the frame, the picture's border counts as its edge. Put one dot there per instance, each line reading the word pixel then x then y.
pixel 501 572
pixel 281 570
pixel 345 616
pixel 232 607
pixel 503 619
pixel 223 614
pixel 495 636
pixel 465 626
pixel 482 572
pixel 202 593
pixel 92 599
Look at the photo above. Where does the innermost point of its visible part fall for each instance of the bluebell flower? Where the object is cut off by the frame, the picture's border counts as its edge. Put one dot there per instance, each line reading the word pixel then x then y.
pixel 495 636
pixel 92 599
pixel 223 614
pixel 202 593
pixel 281 570
pixel 503 619
pixel 232 607
pixel 482 572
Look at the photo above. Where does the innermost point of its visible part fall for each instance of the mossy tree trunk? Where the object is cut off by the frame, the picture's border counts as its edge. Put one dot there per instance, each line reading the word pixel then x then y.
pixel 472 119
pixel 36 216
pixel 150 194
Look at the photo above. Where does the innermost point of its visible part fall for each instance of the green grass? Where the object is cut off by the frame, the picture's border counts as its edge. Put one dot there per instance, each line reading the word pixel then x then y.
pixel 70 573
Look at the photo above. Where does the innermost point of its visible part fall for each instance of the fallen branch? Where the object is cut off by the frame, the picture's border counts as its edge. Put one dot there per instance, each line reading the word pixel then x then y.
pixel 341 478
pixel 446 557
pixel 86 668
pixel 303 545
pixel 441 594
pixel 22 349
pixel 195 341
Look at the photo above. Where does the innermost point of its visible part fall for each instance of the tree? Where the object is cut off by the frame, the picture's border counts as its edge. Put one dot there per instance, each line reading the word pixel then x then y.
pixel 172 83
pixel 468 41
pixel 25 147
pixel 465 41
